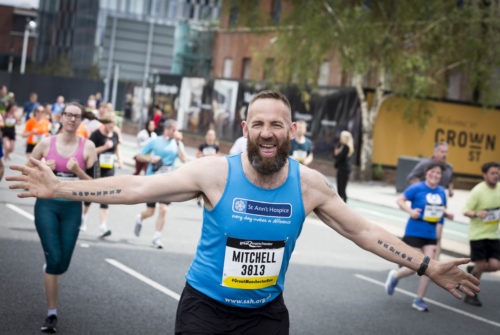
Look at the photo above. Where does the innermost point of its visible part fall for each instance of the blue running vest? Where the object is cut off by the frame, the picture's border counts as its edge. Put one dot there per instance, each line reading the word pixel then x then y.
pixel 247 239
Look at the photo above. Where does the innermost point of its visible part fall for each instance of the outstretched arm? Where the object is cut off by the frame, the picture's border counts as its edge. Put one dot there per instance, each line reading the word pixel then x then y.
pixel 39 181
pixel 320 197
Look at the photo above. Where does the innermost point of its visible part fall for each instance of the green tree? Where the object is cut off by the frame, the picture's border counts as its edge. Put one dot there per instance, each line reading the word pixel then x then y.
pixel 59 66
pixel 409 47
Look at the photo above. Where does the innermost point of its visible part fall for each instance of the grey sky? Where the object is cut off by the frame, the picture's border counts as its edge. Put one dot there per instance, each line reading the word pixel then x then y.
pixel 20 3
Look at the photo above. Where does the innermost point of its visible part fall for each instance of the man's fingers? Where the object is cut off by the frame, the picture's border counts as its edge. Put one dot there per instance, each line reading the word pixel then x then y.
pixel 17 167
pixel 36 162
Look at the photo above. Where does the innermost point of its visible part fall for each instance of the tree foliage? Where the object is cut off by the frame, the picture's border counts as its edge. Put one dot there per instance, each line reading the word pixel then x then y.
pixel 411 47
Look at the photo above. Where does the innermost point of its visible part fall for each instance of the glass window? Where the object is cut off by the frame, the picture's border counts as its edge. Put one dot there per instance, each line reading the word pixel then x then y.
pixel 233 16
pixel 228 68
pixel 245 68
pixel 276 10
pixel 137 7
pixel 324 74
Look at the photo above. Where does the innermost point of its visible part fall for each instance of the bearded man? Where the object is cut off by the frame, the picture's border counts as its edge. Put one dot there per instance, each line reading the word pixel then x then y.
pixel 255 205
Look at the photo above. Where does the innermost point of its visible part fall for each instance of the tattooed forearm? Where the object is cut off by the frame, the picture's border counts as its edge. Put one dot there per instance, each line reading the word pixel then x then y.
pixel 395 251
pixel 329 185
pixel 97 193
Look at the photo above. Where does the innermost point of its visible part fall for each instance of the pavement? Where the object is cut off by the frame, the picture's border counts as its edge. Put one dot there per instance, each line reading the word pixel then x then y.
pixel 373 192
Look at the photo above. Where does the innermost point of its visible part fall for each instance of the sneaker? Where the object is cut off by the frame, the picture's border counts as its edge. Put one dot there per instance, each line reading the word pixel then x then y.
pixel 157 243
pixel 83 224
pixel 420 305
pixel 49 325
pixel 138 225
pixel 105 234
pixel 473 301
pixel 391 282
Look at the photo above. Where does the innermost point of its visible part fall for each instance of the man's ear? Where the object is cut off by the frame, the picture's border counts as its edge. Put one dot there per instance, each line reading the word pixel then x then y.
pixel 244 128
pixel 293 130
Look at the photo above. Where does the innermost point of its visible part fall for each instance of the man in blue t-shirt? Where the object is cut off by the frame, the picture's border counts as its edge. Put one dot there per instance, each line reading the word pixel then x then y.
pixel 301 147
pixel 30 106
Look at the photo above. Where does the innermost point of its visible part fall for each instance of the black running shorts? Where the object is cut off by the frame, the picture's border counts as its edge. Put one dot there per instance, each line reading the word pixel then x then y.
pixel 199 314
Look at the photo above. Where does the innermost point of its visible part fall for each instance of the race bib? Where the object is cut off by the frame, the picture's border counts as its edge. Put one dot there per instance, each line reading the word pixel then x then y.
pixel 37 138
pixel 106 160
pixel 433 213
pixel 209 151
pixel 66 176
pixel 493 216
pixel 165 169
pixel 299 155
pixel 10 122
pixel 252 264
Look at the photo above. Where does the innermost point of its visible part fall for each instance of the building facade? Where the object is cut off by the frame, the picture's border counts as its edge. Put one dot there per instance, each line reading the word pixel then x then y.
pixel 136 36
pixel 14 21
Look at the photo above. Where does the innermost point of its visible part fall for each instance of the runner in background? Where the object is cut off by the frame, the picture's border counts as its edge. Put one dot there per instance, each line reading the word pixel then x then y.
pixel 483 209
pixel 11 119
pixel 424 228
pixel 35 129
pixel 57 220
pixel 208 148
pixel 160 153
pixel 301 147
pixel 143 137
pixel 107 143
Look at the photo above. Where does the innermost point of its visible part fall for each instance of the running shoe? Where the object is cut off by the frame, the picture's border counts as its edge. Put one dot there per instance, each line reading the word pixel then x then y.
pixel 138 225
pixel 391 282
pixel 473 301
pixel 420 305
pixel 83 224
pixel 157 243
pixel 50 324
pixel 106 233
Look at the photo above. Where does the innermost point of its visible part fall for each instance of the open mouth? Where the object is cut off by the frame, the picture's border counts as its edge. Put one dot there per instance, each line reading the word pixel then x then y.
pixel 267 150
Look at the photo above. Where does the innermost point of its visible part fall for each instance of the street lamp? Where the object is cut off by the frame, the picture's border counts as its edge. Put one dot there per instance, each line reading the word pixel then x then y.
pixel 31 25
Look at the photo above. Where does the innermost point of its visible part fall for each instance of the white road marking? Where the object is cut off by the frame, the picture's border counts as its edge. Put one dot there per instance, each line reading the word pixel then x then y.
pixel 434 302
pixel 144 279
pixel 396 218
pixel 21 211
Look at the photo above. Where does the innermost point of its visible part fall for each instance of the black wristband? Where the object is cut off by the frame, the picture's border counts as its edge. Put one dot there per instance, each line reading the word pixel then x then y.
pixel 423 266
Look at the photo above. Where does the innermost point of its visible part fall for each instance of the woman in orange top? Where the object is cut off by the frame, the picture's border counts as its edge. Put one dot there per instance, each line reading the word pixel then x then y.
pixel 82 130
pixel 36 128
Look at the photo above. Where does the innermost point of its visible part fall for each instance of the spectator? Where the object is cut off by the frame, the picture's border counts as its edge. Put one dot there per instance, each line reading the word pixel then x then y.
pixel 483 209
pixel 342 153
pixel 439 155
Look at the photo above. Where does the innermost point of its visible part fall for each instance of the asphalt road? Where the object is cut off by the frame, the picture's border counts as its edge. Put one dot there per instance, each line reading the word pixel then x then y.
pixel 124 286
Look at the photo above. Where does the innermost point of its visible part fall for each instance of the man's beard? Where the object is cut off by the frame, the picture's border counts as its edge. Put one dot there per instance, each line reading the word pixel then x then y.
pixel 269 165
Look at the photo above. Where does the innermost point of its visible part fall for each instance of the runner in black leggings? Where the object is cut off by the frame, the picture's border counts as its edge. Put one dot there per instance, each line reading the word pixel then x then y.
pixel 57 221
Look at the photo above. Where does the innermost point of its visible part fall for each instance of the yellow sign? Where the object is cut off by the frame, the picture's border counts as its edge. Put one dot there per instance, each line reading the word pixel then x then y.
pixel 472 134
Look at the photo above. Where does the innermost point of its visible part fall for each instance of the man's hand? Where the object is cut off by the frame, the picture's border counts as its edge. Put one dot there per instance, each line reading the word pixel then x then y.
pixel 72 164
pixel 447 275
pixel 36 180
